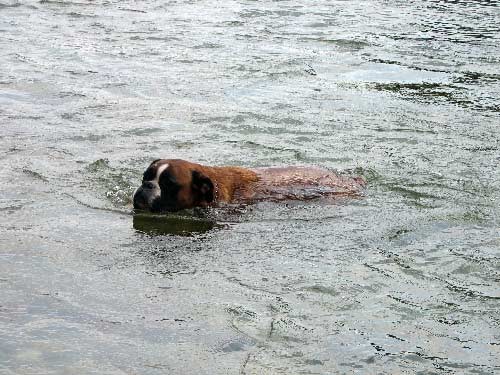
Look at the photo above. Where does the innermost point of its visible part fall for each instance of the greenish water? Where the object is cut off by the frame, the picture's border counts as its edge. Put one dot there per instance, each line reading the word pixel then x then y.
pixel 404 280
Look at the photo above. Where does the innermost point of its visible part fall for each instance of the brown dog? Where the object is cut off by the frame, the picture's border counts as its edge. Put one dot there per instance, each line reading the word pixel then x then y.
pixel 173 185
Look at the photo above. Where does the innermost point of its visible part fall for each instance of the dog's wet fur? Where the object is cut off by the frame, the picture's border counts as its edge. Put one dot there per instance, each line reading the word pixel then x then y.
pixel 170 185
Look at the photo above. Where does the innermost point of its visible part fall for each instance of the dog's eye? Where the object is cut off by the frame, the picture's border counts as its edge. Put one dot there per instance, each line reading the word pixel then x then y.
pixel 169 184
pixel 166 179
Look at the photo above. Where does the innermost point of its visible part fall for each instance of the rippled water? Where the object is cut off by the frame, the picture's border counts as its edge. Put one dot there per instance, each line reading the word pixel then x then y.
pixel 405 280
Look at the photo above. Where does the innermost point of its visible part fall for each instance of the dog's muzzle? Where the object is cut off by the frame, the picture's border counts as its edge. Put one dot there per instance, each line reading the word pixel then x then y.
pixel 147 196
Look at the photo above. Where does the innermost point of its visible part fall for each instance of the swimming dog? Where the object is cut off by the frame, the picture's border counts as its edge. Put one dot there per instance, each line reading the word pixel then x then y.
pixel 173 184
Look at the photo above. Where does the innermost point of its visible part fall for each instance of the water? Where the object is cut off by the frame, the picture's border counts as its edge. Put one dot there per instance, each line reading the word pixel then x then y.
pixel 404 280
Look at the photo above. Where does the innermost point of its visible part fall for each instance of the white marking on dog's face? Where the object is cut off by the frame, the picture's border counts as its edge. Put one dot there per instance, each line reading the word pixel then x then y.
pixel 156 191
pixel 159 171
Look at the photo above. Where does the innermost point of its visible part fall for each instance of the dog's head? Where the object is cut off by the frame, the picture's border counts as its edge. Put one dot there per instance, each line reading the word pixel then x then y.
pixel 173 185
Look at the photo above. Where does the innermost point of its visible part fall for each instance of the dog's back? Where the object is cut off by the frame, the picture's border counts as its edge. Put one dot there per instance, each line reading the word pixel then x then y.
pixel 302 183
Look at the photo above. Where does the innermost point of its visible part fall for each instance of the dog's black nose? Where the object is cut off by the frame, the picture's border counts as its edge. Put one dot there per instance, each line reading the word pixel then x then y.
pixel 140 201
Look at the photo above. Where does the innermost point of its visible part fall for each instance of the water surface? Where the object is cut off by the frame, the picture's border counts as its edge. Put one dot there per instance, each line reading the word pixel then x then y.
pixel 404 280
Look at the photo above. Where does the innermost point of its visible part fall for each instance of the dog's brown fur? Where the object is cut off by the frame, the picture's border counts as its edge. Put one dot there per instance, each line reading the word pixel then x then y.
pixel 182 184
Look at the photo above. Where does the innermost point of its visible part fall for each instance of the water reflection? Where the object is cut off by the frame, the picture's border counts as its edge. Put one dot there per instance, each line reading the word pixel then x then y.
pixel 171 224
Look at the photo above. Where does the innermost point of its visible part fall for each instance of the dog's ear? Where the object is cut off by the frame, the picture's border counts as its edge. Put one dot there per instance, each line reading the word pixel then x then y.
pixel 202 186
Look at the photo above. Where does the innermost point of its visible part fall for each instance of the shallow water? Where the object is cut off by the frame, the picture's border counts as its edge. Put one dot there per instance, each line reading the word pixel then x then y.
pixel 404 280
